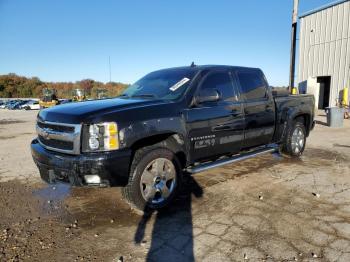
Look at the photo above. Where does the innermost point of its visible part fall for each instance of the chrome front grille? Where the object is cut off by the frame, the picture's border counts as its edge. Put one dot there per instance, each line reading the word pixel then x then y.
pixel 60 137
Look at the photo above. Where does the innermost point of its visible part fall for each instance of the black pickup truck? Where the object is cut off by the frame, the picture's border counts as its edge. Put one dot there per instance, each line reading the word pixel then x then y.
pixel 169 123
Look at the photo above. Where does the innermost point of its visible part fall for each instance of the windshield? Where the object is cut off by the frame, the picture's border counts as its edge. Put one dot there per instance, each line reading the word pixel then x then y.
pixel 166 84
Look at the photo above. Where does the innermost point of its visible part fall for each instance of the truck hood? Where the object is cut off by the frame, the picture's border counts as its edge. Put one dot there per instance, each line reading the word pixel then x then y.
pixel 84 112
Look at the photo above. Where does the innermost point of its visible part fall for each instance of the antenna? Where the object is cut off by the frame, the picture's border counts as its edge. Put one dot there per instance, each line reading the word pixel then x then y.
pixel 110 72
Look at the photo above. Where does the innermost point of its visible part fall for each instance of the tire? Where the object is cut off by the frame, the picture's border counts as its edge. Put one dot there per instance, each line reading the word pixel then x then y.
pixel 294 143
pixel 145 179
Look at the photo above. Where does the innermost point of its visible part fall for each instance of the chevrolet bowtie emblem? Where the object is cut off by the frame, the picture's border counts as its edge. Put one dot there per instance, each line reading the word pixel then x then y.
pixel 45 134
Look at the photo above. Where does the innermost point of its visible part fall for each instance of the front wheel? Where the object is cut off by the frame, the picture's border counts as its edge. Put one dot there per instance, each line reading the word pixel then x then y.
pixel 154 178
pixel 294 143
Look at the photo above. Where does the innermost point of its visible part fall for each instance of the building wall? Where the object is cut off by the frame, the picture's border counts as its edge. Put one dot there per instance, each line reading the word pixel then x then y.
pixel 324 47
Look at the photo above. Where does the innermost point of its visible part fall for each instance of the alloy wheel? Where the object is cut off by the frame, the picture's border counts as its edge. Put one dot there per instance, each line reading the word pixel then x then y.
pixel 298 140
pixel 158 180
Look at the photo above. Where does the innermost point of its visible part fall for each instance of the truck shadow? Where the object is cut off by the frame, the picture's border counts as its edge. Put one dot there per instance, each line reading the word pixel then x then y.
pixel 172 234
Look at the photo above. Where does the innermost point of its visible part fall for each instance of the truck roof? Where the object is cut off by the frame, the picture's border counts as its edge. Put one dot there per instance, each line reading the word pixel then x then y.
pixel 201 67
pixel 197 68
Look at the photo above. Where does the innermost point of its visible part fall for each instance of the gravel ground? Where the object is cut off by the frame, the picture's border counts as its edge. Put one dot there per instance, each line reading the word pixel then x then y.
pixel 264 209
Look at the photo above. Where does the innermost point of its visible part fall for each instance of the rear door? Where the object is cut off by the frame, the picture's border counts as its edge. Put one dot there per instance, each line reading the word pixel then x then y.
pixel 259 108
pixel 216 128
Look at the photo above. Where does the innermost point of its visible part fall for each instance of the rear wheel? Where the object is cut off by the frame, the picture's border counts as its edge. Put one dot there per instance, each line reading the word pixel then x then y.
pixel 294 143
pixel 154 178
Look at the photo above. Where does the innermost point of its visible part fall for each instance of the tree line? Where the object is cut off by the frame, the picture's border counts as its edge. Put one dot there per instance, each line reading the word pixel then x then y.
pixel 14 86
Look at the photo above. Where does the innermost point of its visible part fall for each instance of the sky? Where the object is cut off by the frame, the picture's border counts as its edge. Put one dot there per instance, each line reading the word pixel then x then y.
pixel 67 40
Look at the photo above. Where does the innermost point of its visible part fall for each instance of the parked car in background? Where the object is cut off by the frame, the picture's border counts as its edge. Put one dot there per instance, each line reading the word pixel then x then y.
pixel 4 104
pixel 11 104
pixel 31 105
pixel 17 104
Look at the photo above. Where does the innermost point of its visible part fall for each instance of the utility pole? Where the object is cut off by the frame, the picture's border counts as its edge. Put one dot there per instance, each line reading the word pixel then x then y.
pixel 110 72
pixel 293 44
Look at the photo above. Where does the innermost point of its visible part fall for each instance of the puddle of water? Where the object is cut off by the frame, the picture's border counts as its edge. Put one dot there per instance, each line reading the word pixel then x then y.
pixel 91 207
pixel 56 192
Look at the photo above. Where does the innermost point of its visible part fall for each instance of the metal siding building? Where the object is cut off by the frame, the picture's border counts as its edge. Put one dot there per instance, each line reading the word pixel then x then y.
pixel 324 52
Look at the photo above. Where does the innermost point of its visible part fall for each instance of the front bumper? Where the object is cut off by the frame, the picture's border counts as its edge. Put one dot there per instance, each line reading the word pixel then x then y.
pixel 111 167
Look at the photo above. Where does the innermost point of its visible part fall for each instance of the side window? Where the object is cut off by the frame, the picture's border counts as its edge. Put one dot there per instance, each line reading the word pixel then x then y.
pixel 252 84
pixel 221 81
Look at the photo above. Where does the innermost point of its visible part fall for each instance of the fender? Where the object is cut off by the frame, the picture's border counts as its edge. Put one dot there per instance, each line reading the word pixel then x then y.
pixel 288 112
pixel 170 130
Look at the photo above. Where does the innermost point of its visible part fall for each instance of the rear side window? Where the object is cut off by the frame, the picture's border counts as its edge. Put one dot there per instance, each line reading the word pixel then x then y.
pixel 221 81
pixel 252 84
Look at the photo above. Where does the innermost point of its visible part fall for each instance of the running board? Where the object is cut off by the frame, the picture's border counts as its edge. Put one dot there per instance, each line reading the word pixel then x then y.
pixel 206 166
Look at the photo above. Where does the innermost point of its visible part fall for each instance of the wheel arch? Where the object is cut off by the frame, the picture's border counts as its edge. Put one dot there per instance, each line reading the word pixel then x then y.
pixel 305 119
pixel 173 141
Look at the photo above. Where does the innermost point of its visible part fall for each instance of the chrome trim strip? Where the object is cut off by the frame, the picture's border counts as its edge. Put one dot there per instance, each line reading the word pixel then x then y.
pixel 48 133
pixel 58 124
pixel 222 162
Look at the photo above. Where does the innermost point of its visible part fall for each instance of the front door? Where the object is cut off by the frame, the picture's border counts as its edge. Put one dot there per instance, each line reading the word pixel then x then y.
pixel 216 127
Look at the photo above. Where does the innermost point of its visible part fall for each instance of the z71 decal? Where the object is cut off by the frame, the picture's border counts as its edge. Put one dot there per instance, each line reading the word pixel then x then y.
pixel 203 141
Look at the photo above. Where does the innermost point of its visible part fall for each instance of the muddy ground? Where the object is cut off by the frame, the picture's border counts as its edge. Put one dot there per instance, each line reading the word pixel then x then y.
pixel 264 209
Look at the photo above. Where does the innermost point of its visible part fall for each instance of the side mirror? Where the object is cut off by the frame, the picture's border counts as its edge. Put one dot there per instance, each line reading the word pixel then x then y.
pixel 208 95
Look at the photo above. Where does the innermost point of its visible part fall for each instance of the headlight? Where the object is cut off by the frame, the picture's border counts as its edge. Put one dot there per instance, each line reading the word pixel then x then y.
pixel 100 137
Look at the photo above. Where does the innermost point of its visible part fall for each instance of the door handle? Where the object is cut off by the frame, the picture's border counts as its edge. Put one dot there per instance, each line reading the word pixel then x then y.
pixel 221 128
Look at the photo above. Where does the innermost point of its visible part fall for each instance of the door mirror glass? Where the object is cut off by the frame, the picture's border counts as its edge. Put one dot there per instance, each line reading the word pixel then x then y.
pixel 208 95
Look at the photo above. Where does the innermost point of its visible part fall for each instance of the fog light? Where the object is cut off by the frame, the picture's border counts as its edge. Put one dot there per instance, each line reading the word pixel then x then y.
pixel 92 179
